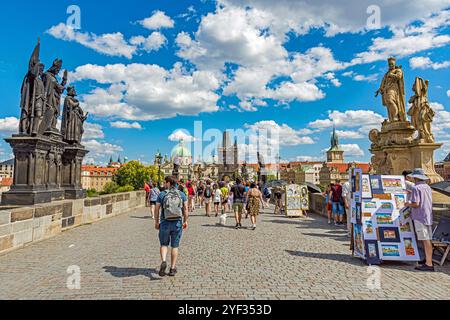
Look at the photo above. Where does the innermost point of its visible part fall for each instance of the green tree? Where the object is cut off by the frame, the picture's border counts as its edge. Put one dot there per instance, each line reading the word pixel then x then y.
pixel 271 177
pixel 110 188
pixel 135 174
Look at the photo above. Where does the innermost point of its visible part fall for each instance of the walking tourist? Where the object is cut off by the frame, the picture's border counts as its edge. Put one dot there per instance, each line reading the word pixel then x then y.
pixel 191 196
pixel 254 198
pixel 329 204
pixel 421 204
pixel 225 194
pixel 347 195
pixel 267 194
pixel 154 194
pixel 238 192
pixel 200 198
pixel 147 193
pixel 207 196
pixel 171 223
pixel 337 203
pixel 278 201
pixel 217 199
pixel 247 188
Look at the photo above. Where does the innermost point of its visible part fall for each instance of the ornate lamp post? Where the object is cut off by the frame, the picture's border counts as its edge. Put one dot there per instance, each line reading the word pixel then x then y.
pixel 278 166
pixel 158 160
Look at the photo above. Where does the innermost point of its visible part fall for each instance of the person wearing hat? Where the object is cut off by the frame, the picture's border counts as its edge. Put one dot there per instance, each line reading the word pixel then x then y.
pixel 421 204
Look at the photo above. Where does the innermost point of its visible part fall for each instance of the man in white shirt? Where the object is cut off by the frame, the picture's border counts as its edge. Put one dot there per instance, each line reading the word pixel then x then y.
pixel 347 195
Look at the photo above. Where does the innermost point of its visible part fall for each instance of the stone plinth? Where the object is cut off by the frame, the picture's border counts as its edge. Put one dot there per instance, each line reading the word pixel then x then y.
pixel 395 150
pixel 72 162
pixel 37 170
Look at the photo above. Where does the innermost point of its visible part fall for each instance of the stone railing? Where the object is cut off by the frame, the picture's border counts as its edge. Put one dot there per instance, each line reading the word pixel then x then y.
pixel 318 205
pixel 24 225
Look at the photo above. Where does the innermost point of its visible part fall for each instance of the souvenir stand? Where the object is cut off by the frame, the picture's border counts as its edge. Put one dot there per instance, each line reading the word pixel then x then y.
pixel 296 200
pixel 382 226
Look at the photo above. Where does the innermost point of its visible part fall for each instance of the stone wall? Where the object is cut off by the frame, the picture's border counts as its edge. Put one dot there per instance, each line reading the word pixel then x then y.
pixel 24 225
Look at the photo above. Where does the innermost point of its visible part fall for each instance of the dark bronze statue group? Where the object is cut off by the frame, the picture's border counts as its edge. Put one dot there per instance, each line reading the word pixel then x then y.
pixel 41 99
pixel 47 159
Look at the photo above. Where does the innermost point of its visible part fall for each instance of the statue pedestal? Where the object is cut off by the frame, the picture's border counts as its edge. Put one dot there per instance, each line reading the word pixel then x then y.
pixel 395 150
pixel 72 162
pixel 37 170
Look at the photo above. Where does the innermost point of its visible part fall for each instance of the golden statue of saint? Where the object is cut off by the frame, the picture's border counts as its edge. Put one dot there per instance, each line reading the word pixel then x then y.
pixel 393 92
pixel 421 113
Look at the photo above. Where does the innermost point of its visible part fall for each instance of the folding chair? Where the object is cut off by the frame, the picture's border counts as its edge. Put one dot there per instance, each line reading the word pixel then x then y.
pixel 441 240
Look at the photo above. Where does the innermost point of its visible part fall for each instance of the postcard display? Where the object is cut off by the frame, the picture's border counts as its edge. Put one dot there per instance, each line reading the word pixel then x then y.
pixel 382 228
pixel 297 200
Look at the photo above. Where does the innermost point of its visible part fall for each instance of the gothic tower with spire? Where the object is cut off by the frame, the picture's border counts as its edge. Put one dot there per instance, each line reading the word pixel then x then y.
pixel 335 154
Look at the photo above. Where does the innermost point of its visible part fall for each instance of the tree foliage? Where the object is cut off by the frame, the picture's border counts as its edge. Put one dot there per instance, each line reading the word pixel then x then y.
pixel 135 174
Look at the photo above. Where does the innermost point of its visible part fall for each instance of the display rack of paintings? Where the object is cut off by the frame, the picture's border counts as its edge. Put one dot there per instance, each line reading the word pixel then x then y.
pixel 382 225
pixel 297 200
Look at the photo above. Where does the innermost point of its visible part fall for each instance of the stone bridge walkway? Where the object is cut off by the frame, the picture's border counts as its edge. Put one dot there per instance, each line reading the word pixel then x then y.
pixel 283 259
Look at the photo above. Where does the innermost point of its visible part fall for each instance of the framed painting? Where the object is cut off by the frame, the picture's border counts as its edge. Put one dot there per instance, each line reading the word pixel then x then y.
pixel 390 251
pixel 358 241
pixel 376 184
pixel 366 187
pixel 389 234
pixel 393 184
pixel 372 252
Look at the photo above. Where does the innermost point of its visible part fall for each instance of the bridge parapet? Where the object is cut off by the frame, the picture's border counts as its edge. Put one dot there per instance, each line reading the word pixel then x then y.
pixel 20 226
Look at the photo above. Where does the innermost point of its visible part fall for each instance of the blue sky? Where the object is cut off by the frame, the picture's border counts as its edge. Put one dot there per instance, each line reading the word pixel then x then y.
pixel 144 69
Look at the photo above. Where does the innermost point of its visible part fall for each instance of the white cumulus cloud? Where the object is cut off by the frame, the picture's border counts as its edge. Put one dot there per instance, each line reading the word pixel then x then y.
pixel 427 63
pixel 158 20
pixel 126 125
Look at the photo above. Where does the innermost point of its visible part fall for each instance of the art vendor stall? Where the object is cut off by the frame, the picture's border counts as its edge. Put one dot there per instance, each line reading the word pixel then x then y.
pixel 382 227
pixel 296 200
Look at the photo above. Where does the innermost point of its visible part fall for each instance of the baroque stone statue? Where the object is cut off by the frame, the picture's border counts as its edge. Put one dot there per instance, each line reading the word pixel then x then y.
pixel 73 118
pixel 32 100
pixel 392 90
pixel 421 113
pixel 53 92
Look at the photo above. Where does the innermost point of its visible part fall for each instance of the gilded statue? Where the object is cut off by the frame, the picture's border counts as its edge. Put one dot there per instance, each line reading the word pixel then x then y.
pixel 392 90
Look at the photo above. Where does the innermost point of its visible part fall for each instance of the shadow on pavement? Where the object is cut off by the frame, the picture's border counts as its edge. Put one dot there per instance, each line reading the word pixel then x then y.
pixel 328 256
pixel 131 272
pixel 336 237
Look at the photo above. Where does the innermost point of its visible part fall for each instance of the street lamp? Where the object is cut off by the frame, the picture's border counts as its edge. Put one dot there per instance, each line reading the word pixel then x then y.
pixel 158 161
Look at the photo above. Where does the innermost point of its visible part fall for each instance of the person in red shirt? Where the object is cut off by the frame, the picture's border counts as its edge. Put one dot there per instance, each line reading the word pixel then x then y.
pixel 147 192
pixel 337 202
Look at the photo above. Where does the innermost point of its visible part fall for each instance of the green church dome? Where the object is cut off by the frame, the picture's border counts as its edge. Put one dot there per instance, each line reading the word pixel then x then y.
pixel 181 151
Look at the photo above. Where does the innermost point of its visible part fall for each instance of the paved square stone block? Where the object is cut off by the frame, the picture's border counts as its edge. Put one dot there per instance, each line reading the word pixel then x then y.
pixel 38 233
pixel 6 242
pixel 22 226
pixel 106 200
pixel 23 237
pixel 67 209
pixel 5 217
pixel 21 214
pixel 5 230
pixel 44 211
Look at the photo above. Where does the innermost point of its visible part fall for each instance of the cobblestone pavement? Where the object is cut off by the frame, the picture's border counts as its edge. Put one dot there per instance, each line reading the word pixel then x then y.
pixel 282 259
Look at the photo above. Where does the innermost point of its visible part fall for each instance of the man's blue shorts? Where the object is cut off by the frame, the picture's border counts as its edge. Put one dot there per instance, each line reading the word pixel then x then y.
pixel 338 208
pixel 170 233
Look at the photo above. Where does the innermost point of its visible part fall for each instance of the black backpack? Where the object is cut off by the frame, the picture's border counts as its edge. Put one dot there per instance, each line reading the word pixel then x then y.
pixel 208 192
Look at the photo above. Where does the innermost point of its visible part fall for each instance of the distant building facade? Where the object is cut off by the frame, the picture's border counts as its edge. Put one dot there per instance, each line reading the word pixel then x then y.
pixel 443 168
pixel 228 159
pixel 322 173
pixel 7 169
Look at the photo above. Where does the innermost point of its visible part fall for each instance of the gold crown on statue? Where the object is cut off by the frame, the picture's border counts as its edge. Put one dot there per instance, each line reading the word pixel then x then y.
pixel 392 59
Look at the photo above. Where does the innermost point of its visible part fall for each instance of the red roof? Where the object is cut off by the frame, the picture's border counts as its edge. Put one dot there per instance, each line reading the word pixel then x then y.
pixel 344 167
pixel 6 182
